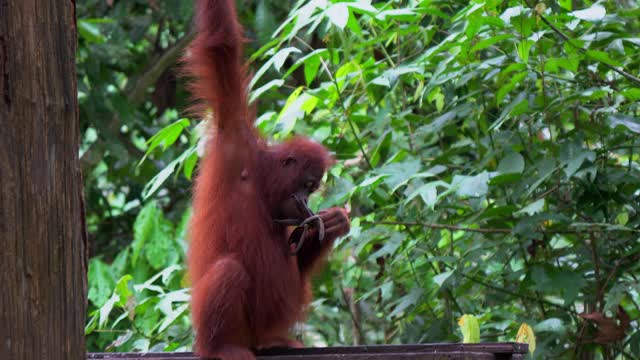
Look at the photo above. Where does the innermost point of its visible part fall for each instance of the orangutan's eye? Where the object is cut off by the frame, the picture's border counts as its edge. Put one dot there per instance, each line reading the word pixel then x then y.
pixel 311 186
pixel 288 161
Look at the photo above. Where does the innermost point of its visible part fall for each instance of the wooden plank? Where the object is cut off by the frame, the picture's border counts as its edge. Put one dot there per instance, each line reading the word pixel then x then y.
pixel 372 352
pixel 494 348
pixel 456 355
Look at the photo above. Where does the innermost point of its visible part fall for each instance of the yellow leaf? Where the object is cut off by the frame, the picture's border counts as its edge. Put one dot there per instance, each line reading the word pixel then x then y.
pixel 526 335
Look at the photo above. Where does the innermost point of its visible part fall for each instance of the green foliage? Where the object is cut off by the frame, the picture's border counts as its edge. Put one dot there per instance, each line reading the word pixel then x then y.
pixel 487 152
pixel 139 302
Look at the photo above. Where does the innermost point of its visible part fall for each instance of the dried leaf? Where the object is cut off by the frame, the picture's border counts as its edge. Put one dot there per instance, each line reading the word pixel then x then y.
pixel 608 329
pixel 527 336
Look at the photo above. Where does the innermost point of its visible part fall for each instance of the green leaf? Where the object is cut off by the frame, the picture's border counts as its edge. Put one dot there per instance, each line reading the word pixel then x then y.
pixel 485 43
pixel 506 112
pixel 173 167
pixel 473 25
pixel 190 164
pixel 344 71
pixel 311 67
pixel 553 325
pixel 141 345
pixel 105 310
pixel 101 282
pixel 264 21
pixel 442 277
pixel 634 343
pixel 390 246
pixel 363 7
pixel 545 168
pixel 512 163
pixel 602 57
pixel 438 123
pixel 338 15
pixel 406 301
pixel 314 55
pixel 281 56
pixel 276 83
pixel 167 136
pixel 622 218
pixel 531 209
pixel 354 25
pixel 398 14
pixel 523 49
pixel 437 96
pixel 143 229
pixel 382 150
pixel 123 290
pixel 471 186
pixel 573 155
pixel 428 193
pixel 157 181
pixel 292 111
pixel 596 12
pixel 172 316
pixel 169 299
pixel 629 122
pixel 566 4
pixel 553 65
pixel 504 90
pixel 159 246
pixel 504 179
pixel 470 329
pixel 370 181
pixel 89 30
pixel 632 94
pixel 396 174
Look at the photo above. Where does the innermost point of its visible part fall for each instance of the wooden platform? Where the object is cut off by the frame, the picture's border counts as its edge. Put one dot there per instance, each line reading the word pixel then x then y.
pixel 484 351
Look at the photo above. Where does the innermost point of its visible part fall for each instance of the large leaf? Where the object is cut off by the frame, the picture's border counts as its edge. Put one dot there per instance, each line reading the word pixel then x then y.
pixel 470 329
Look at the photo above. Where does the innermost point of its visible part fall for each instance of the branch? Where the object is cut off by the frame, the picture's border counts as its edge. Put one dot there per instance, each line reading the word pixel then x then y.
pixel 136 93
pixel 352 306
pixel 342 105
pixel 565 37
pixel 440 226
pixel 496 230
pixel 515 294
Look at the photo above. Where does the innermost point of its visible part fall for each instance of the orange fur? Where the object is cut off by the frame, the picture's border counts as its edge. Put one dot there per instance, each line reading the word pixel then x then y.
pixel 247 290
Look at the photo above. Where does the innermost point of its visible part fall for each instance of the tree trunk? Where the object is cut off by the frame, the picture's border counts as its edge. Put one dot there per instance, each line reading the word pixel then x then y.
pixel 42 234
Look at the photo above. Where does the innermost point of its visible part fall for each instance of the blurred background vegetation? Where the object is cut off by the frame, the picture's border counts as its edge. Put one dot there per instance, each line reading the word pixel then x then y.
pixel 487 150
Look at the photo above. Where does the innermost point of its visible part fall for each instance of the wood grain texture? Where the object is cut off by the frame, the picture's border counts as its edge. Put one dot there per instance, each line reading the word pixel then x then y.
pixel 495 351
pixel 42 234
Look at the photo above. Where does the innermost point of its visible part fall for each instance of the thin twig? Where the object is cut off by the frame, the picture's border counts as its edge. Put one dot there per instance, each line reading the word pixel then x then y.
pixel 606 283
pixel 440 226
pixel 494 230
pixel 596 268
pixel 544 194
pixel 352 306
pixel 342 104
pixel 346 113
pixel 137 92
pixel 514 294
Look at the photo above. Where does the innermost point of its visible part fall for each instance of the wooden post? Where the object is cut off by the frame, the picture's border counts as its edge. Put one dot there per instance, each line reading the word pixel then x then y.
pixel 42 234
